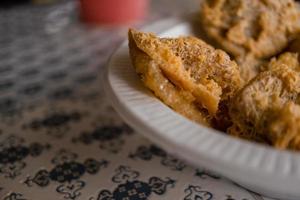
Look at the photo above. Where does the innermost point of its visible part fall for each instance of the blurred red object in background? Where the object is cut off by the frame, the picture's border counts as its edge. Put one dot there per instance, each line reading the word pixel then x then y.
pixel 113 11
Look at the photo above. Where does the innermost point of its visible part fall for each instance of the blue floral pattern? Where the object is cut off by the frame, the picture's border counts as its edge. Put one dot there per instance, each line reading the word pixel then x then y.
pixel 130 188
pixel 196 193
pixel 14 196
pixel 147 153
pixel 204 173
pixel 13 154
pixel 110 137
pixel 56 123
pixel 67 172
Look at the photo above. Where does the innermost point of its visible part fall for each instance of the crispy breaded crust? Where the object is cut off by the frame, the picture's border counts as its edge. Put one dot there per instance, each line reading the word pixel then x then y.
pixel 189 63
pixel 286 59
pixel 173 68
pixel 200 82
pixel 206 64
pixel 236 132
pixel 251 30
pixel 262 28
pixel 268 91
pixel 283 127
pixel 250 66
pixel 152 76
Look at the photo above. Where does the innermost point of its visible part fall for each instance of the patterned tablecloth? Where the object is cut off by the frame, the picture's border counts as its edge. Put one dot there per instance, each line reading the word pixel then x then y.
pixel 60 138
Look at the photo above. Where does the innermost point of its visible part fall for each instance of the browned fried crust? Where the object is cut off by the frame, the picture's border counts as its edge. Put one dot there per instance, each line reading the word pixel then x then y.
pixel 251 30
pixel 189 63
pixel 243 26
pixel 183 70
pixel 283 127
pixel 152 76
pixel 252 108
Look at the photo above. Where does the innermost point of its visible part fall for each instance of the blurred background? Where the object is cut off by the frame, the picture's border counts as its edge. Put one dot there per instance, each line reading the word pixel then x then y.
pixel 51 16
pixel 162 7
pixel 165 5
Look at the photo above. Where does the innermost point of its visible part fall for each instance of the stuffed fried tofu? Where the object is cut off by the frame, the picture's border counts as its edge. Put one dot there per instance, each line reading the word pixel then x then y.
pixel 251 28
pixel 185 73
pixel 153 78
pixel 269 92
pixel 283 127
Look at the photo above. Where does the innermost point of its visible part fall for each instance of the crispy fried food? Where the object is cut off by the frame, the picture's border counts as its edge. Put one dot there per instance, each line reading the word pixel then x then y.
pixel 262 28
pixel 283 127
pixel 205 63
pixel 250 66
pixel 236 132
pixel 269 90
pixel 251 30
pixel 286 59
pixel 152 76
pixel 208 75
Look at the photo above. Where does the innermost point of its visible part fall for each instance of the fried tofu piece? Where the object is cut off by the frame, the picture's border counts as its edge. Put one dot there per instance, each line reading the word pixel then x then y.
pixel 250 66
pixel 191 65
pixel 288 59
pixel 283 127
pixel 235 131
pixel 269 90
pixel 262 28
pixel 259 28
pixel 205 63
pixel 152 76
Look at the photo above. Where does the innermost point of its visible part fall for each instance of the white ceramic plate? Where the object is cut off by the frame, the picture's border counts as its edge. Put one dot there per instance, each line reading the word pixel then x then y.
pixel 260 168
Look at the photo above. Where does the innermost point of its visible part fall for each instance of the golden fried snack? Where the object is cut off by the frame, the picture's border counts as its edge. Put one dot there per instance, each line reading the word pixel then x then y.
pixel 256 137
pixel 269 90
pixel 283 127
pixel 190 64
pixel 262 28
pixel 205 63
pixel 286 59
pixel 250 66
pixel 251 30
pixel 179 100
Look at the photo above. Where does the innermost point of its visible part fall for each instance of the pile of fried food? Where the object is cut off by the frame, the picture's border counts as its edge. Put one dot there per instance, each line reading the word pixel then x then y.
pixel 250 89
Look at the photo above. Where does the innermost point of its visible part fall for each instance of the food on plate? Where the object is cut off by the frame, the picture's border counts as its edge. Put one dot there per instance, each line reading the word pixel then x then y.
pixel 256 96
pixel 250 66
pixel 259 28
pixel 200 74
pixel 153 77
pixel 248 26
pixel 253 106
pixel 286 59
pixel 283 127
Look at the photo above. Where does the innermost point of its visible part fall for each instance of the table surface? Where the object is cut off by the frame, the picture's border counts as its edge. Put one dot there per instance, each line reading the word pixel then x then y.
pixel 60 138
